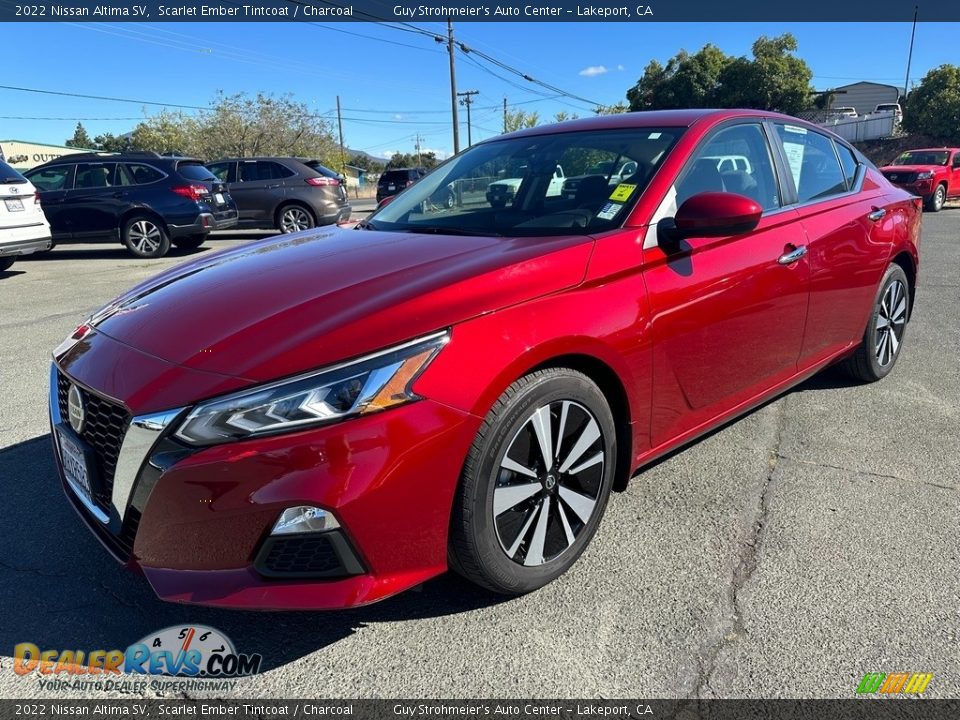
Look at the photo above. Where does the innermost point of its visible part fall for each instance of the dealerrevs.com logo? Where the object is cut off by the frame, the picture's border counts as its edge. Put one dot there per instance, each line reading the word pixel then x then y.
pixel 193 652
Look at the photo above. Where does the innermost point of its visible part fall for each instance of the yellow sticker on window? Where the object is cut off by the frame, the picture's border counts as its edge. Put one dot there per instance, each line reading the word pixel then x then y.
pixel 623 192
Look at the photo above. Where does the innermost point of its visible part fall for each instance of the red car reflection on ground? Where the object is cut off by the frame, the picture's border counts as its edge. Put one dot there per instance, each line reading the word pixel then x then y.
pixel 323 419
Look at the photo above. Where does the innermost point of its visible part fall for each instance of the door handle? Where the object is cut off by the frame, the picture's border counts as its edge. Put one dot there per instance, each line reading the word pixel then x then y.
pixel 792 256
pixel 877 214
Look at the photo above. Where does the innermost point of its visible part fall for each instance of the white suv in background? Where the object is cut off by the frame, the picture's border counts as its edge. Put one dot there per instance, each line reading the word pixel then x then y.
pixel 23 226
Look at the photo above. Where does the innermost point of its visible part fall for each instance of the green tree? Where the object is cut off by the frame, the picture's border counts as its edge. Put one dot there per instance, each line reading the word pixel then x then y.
pixel 933 108
pixel 563 116
pixel 686 81
pixel 427 159
pixel 775 79
pixel 81 139
pixel 362 160
pixel 108 142
pixel 520 119
pixel 615 109
pixel 167 132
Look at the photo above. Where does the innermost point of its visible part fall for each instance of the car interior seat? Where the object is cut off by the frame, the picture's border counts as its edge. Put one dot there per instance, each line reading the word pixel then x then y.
pixel 592 192
pixel 703 177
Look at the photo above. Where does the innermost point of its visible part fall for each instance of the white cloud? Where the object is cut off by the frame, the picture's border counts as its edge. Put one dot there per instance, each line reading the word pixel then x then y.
pixel 593 71
pixel 621 67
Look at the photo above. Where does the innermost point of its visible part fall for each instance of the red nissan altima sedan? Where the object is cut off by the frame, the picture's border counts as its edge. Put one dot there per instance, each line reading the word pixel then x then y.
pixel 324 419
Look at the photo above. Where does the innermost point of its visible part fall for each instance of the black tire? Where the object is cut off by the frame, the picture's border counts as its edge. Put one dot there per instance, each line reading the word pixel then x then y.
pixel 499 544
pixel 498 204
pixel 294 217
pixel 875 357
pixel 449 201
pixel 936 201
pixel 191 242
pixel 145 236
pixel 7 262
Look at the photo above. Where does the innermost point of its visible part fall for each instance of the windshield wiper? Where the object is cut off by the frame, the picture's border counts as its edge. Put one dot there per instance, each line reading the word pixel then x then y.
pixel 440 230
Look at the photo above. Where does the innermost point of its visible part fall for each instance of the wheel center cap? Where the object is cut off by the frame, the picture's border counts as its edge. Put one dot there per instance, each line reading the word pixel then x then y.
pixel 549 482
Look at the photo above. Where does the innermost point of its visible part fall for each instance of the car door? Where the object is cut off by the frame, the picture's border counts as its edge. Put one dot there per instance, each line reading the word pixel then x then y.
pixel 843 221
pixel 53 183
pixel 727 313
pixel 257 192
pixel 95 203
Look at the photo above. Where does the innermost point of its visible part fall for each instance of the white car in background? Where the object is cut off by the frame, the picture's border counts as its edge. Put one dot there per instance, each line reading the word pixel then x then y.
pixel 23 227
pixel 501 192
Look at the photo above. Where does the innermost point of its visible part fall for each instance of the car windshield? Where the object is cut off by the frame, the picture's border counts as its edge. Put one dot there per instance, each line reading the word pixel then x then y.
pixel 195 171
pixel 923 157
pixel 539 185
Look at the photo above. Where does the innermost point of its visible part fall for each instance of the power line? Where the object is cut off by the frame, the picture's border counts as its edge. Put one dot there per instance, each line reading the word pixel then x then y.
pixel 101 97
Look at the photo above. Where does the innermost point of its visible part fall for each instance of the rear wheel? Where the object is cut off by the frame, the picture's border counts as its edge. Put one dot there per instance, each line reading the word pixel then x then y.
pixel 883 337
pixel 294 218
pixel 145 237
pixel 936 201
pixel 190 242
pixel 535 484
pixel 7 262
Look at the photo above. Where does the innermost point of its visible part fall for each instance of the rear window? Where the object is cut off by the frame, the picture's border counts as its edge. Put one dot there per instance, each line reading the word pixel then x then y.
pixel 10 176
pixel 398 176
pixel 322 169
pixel 195 171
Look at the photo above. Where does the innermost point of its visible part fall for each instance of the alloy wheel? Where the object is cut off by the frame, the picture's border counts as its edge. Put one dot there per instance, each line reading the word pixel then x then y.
pixel 891 322
pixel 549 483
pixel 145 237
pixel 939 197
pixel 295 219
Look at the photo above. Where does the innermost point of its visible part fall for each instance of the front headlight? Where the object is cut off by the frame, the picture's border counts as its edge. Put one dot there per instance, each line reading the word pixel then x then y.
pixel 926 175
pixel 358 387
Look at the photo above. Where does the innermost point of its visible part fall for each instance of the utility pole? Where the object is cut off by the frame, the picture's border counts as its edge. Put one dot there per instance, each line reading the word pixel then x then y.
pixel 467 96
pixel 504 114
pixel 906 82
pixel 417 146
pixel 343 157
pixel 453 88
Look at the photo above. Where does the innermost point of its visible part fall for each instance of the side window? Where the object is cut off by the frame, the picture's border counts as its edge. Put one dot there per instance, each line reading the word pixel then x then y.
pixel 813 163
pixel 221 170
pixel 704 173
pixel 94 175
pixel 956 160
pixel 143 174
pixel 849 164
pixel 250 171
pixel 52 178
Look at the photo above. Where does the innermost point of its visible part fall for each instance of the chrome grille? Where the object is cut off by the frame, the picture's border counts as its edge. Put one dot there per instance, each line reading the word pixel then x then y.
pixel 904 178
pixel 104 429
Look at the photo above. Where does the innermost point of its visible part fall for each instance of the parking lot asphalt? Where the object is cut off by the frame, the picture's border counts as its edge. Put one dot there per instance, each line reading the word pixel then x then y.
pixel 811 541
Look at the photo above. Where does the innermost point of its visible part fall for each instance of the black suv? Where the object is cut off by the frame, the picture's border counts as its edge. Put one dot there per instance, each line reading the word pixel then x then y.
pixel 145 200
pixel 394 181
pixel 289 194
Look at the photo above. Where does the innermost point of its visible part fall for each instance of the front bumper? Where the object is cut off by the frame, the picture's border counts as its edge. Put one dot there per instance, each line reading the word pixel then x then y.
pixel 197 521
pixel 920 188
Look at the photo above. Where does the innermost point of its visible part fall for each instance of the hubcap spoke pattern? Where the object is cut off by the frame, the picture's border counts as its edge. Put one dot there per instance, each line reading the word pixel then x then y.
pixel 891 321
pixel 548 483
pixel 145 236
pixel 294 220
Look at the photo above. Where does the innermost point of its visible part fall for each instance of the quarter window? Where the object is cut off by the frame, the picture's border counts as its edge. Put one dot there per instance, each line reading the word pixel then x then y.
pixel 714 167
pixel 813 163
pixel 143 174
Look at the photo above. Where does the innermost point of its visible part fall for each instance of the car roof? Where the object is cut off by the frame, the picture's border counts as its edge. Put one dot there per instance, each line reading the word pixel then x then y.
pixel 644 119
pixel 116 157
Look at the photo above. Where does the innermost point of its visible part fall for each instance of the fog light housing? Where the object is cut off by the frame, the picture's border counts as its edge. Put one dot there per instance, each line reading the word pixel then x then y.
pixel 304 519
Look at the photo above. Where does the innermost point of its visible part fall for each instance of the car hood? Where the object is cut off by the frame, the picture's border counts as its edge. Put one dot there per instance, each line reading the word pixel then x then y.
pixel 295 303
pixel 910 168
pixel 509 182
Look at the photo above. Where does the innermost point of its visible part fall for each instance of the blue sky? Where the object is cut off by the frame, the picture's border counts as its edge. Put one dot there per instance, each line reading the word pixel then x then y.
pixel 390 91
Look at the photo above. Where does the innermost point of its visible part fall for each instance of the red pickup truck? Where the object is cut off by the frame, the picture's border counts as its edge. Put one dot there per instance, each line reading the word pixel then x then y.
pixel 931 173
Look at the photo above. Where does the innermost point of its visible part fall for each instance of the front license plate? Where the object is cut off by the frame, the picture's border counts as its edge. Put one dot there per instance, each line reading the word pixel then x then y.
pixel 391 187
pixel 219 198
pixel 14 205
pixel 74 464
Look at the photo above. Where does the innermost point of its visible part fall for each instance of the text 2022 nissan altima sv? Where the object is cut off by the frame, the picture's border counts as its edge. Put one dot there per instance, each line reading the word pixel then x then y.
pixel 350 412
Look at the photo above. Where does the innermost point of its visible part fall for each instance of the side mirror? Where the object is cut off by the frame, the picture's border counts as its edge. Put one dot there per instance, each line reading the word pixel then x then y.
pixel 712 214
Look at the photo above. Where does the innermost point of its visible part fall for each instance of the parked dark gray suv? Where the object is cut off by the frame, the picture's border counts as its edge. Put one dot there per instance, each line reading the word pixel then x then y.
pixel 283 192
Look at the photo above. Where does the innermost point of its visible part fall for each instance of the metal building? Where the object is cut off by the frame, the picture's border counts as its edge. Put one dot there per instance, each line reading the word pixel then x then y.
pixel 864 96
